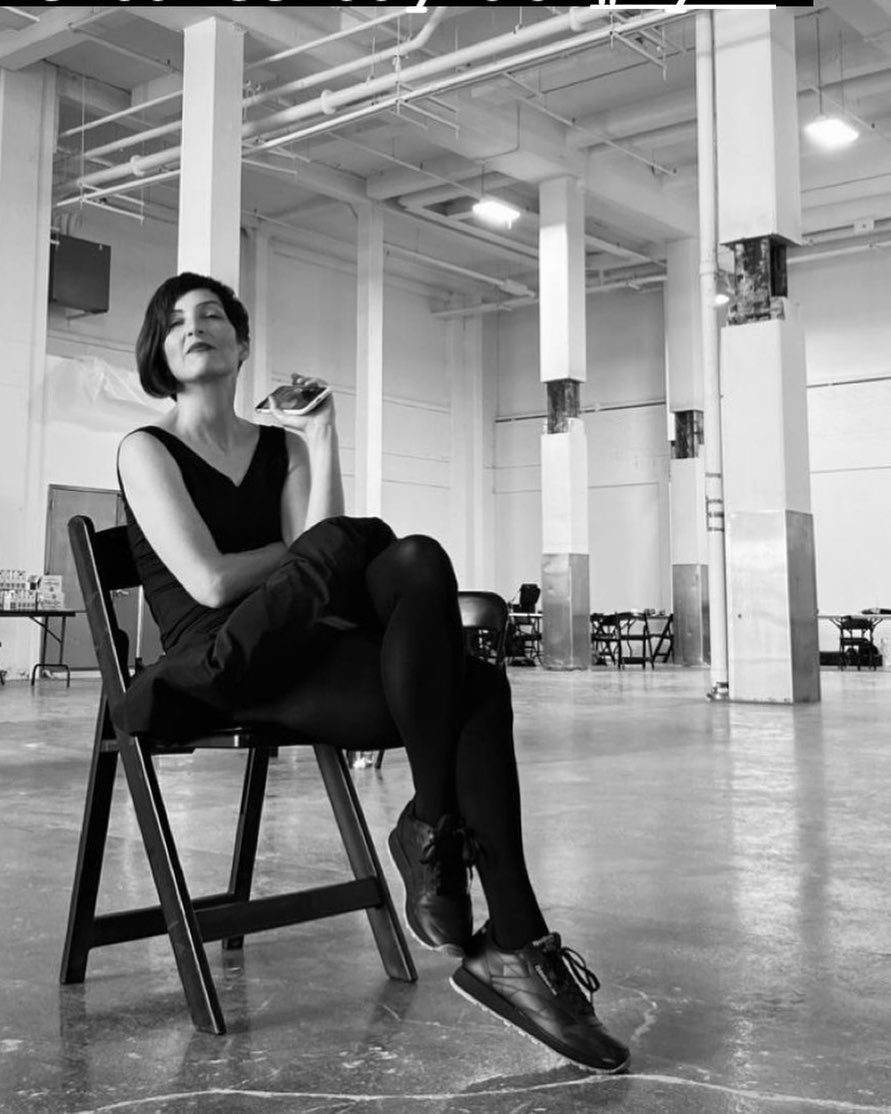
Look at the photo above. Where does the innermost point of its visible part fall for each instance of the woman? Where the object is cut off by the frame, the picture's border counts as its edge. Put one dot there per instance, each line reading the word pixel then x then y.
pixel 275 607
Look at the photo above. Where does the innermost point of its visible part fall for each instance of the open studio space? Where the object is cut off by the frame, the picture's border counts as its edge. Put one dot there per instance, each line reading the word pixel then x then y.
pixel 494 720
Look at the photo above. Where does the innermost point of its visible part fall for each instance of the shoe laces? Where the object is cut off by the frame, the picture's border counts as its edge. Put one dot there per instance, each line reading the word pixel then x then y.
pixel 571 973
pixel 440 850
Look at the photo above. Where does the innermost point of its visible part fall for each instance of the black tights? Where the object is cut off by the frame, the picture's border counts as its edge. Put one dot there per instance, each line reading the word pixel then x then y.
pixel 402 678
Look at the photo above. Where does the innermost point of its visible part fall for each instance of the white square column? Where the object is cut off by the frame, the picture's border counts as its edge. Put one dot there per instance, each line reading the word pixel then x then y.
pixel 27 140
pixel 685 386
pixel 566 597
pixel 369 480
pixel 472 417
pixel 771 577
pixel 210 176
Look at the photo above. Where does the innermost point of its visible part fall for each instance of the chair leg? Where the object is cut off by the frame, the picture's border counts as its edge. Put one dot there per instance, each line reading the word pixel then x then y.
pixel 364 861
pixel 90 854
pixel 173 893
pixel 247 834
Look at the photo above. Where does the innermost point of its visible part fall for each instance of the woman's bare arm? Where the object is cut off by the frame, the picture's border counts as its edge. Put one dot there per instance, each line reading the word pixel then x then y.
pixel 313 488
pixel 164 509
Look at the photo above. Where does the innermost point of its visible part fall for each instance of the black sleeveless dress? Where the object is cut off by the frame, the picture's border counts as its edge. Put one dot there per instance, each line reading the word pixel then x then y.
pixel 239 516
pixel 219 659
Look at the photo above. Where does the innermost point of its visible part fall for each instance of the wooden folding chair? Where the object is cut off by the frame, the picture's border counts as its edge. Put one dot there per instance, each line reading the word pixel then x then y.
pixel 104 564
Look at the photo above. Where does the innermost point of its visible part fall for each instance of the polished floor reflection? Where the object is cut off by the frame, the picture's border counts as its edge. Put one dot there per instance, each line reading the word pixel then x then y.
pixel 723 868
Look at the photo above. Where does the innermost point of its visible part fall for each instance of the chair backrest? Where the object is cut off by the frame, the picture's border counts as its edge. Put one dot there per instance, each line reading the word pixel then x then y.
pixel 486 611
pixel 529 594
pixel 853 623
pixel 104 564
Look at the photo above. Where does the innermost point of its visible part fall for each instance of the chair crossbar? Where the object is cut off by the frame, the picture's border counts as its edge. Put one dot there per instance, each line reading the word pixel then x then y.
pixel 219 916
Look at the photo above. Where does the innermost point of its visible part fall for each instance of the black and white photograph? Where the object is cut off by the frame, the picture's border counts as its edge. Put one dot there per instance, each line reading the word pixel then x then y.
pixel 445 558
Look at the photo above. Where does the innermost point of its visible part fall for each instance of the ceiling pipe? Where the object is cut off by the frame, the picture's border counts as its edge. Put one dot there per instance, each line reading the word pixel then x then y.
pixel 516 248
pixel 302 49
pixel 466 77
pixel 249 130
pixel 713 454
pixel 436 195
pixel 25 15
pixel 510 304
pixel 329 101
pixel 534 101
pixel 842 245
pixel 398 51
pixel 652 120
pixel 509 286
pixel 325 40
pixel 111 191
pixel 520 36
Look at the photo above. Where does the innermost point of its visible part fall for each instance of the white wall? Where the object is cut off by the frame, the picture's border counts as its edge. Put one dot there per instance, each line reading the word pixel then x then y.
pixel 844 308
pixel 843 303
pixel 312 329
pixel 80 449
pixel 628 451
pixel 310 326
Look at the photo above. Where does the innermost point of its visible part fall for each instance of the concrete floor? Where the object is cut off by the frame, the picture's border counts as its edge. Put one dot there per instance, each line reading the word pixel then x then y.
pixel 724 869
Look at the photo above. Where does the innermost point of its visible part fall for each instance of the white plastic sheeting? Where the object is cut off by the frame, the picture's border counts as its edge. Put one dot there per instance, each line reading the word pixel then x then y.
pixel 90 392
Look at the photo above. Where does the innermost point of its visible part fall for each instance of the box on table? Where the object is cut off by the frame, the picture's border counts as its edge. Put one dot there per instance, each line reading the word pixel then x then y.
pixel 18 599
pixel 50 595
pixel 13 580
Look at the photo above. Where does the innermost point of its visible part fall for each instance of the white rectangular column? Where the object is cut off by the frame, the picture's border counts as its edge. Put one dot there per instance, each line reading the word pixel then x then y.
pixel 27 140
pixel 210 175
pixel 771 577
pixel 685 393
pixel 255 380
pixel 566 602
pixel 464 355
pixel 370 362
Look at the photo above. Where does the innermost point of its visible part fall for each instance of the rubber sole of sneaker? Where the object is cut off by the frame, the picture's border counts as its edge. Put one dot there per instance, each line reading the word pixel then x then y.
pixel 496 1006
pixel 414 930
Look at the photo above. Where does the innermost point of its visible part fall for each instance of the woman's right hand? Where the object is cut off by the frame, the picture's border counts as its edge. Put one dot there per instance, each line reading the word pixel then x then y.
pixel 319 419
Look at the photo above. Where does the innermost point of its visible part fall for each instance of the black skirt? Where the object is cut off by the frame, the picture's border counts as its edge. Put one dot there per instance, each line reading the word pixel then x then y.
pixel 265 641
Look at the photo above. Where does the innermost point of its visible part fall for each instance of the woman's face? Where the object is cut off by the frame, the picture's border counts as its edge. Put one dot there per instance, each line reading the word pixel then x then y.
pixel 201 344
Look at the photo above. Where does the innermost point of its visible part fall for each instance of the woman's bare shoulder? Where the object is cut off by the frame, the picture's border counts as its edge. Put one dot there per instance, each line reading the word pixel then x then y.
pixel 139 448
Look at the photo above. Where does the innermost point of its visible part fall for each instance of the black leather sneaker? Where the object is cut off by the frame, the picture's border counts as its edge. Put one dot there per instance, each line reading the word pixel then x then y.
pixel 539 990
pixel 436 877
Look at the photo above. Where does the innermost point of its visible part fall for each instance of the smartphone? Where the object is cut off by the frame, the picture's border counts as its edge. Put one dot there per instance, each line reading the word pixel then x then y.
pixel 297 398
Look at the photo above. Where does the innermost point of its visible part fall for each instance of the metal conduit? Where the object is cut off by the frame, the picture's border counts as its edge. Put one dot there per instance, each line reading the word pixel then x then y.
pixel 328 103
pixel 711 418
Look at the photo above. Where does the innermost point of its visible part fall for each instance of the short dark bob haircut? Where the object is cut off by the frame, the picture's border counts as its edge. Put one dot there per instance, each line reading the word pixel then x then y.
pixel 154 373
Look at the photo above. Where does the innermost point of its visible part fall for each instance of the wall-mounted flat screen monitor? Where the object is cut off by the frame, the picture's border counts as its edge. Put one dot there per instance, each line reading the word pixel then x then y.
pixel 80 271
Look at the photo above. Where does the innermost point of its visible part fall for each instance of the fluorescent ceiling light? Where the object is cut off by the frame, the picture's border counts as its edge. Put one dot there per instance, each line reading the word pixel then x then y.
pixel 493 211
pixel 831 132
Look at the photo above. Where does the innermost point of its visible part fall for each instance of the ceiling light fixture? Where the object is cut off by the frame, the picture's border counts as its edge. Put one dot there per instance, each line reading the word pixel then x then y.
pixel 495 212
pixel 830 132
